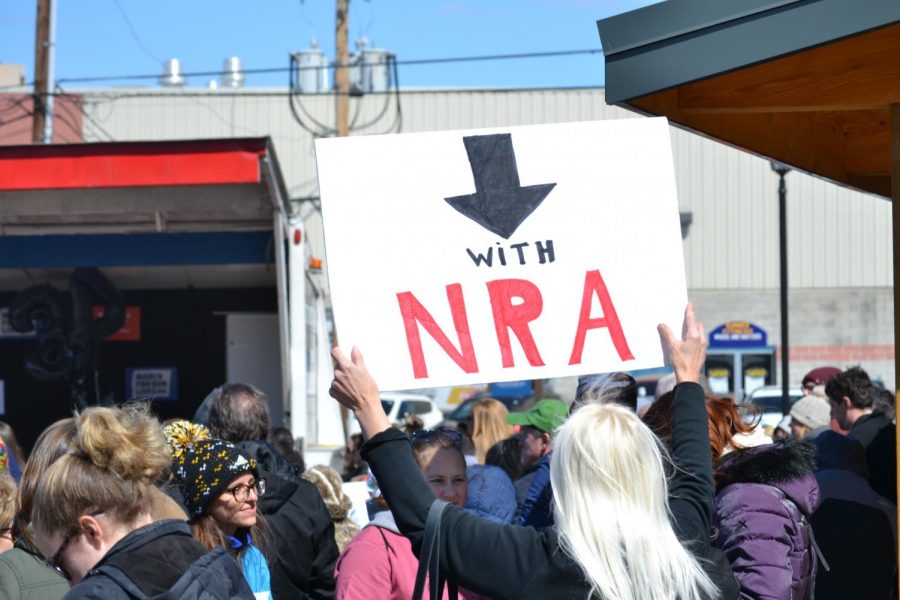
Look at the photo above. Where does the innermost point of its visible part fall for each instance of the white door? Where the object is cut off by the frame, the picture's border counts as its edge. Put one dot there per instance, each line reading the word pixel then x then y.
pixel 253 356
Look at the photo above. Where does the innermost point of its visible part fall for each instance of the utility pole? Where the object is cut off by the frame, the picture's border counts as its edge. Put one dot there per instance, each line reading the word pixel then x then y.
pixel 341 70
pixel 41 67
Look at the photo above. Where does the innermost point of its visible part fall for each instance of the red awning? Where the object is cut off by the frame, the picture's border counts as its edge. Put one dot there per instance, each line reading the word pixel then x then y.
pixel 131 164
pixel 132 187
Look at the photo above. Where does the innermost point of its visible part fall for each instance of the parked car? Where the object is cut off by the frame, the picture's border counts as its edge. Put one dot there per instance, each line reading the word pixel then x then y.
pixel 398 406
pixel 767 402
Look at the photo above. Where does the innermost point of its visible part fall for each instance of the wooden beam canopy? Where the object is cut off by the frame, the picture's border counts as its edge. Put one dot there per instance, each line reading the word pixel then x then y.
pixel 825 110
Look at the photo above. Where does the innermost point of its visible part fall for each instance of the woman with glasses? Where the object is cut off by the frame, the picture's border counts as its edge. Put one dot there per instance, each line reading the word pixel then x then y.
pixel 221 489
pixel 93 516
pixel 623 530
pixel 379 561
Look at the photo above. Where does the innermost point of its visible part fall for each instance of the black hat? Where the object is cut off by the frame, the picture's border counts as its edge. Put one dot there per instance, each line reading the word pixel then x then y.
pixel 204 470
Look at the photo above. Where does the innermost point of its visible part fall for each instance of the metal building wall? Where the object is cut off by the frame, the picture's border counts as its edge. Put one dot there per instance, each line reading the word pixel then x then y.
pixel 837 238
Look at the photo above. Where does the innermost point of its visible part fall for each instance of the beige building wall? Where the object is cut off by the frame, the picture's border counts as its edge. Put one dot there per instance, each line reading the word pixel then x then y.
pixel 839 251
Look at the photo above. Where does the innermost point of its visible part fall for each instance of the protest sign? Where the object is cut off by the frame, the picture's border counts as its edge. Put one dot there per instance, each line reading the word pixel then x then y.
pixel 462 257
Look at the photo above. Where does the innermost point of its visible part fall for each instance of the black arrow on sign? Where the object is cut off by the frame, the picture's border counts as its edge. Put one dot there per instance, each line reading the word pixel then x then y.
pixel 499 203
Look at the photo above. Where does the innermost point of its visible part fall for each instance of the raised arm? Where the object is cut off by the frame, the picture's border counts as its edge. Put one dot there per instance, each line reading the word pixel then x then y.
pixel 516 551
pixel 691 491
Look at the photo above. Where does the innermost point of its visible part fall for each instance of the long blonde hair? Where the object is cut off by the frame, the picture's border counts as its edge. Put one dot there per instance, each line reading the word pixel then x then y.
pixel 489 426
pixel 612 511
pixel 7 502
pixel 116 457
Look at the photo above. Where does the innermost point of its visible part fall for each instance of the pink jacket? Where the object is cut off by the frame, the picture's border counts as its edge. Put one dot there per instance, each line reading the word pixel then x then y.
pixel 379 563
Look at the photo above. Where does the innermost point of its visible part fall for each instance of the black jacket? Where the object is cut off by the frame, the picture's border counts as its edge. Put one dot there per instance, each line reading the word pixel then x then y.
pixel 303 553
pixel 506 561
pixel 879 437
pixel 855 528
pixel 162 561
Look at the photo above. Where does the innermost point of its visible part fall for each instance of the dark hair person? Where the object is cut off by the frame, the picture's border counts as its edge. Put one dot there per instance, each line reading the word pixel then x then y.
pixel 507 454
pixel 765 496
pixel 622 529
pixel 239 412
pixel 92 516
pixel 283 441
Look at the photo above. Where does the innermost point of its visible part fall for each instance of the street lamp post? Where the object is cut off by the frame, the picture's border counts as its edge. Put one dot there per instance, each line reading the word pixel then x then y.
pixel 782 170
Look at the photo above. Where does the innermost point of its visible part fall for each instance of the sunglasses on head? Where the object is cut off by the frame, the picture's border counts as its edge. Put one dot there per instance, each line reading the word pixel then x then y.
pixel 428 435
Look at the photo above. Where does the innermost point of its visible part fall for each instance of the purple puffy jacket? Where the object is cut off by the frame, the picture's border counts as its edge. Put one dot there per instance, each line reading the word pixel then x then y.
pixel 764 498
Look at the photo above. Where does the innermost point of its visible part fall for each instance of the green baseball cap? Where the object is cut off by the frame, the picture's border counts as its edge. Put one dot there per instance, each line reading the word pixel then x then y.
pixel 546 415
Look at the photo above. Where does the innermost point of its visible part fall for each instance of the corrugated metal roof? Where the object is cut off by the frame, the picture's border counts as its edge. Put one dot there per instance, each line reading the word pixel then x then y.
pixel 837 238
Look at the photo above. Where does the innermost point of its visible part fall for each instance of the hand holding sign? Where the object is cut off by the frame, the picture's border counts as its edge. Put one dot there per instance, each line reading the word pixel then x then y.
pixel 687 355
pixel 355 389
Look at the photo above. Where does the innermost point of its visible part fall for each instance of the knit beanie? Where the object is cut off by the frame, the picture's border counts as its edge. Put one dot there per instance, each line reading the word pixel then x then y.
pixel 812 411
pixel 205 468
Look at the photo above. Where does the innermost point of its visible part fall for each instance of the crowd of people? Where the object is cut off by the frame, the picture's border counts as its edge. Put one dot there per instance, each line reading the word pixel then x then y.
pixel 685 497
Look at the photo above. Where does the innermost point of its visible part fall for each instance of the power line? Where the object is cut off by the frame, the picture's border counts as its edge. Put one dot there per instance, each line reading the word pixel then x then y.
pixel 413 62
pixel 204 93
pixel 74 101
pixel 134 33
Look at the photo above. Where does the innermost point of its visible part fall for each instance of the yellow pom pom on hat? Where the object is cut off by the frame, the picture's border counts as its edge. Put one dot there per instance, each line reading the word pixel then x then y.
pixel 181 434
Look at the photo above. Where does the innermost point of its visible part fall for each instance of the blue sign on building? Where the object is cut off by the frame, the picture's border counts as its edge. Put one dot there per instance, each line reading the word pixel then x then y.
pixel 737 334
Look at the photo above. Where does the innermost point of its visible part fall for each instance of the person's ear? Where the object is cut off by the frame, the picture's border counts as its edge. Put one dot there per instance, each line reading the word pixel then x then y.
pixel 848 404
pixel 92 530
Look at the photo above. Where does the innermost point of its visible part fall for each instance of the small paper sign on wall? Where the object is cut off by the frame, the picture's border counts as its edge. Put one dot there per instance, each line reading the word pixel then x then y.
pixel 480 256
pixel 151 383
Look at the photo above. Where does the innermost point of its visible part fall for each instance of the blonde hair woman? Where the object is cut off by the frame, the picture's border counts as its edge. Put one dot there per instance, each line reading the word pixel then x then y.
pixel 92 516
pixel 487 425
pixel 623 530
pixel 7 510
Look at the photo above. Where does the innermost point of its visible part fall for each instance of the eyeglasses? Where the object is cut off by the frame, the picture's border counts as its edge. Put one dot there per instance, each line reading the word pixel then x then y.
pixel 427 435
pixel 55 561
pixel 241 491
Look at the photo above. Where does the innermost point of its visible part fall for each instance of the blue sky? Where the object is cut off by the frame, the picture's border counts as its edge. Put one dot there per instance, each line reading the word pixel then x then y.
pixel 94 38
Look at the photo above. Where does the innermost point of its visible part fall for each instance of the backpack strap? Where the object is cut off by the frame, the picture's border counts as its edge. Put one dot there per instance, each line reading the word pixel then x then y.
pixel 430 556
pixel 812 539
pixel 387 546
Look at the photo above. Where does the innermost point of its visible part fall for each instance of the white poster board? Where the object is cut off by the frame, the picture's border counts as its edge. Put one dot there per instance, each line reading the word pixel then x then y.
pixel 463 257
